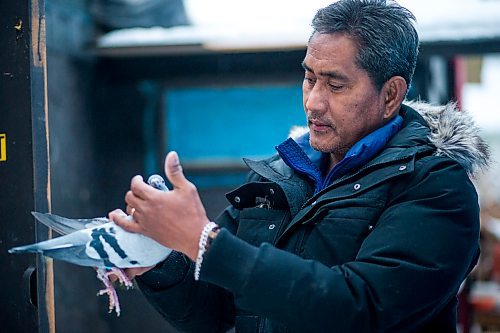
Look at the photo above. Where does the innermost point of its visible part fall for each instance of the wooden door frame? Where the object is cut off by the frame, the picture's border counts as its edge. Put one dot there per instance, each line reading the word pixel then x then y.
pixel 28 299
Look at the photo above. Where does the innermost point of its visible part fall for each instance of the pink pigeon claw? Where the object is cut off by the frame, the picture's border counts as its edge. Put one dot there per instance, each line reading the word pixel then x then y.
pixel 103 274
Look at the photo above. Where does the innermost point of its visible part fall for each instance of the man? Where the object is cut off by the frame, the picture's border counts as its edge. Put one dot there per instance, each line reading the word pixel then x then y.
pixel 366 223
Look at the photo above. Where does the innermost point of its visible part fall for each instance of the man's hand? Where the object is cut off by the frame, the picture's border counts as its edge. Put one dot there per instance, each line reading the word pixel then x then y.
pixel 174 219
pixel 132 272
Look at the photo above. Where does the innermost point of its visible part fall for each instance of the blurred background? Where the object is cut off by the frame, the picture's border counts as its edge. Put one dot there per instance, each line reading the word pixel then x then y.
pixel 129 80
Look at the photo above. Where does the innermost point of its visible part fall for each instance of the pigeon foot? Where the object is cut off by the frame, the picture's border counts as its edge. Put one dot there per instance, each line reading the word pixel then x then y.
pixel 103 274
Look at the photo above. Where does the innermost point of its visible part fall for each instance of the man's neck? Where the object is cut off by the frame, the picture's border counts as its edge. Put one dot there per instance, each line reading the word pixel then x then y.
pixel 334 160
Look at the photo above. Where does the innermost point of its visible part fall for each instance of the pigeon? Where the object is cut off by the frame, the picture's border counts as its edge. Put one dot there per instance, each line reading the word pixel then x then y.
pixel 100 243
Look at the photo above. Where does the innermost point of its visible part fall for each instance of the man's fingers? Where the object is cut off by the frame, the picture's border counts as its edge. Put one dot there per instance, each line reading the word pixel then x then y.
pixel 130 210
pixel 136 271
pixel 173 170
pixel 133 200
pixel 139 188
pixel 115 213
pixel 126 223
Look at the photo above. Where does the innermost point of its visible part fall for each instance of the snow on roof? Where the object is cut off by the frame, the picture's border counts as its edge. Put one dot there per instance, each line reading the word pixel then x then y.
pixel 452 20
pixel 480 99
pixel 261 24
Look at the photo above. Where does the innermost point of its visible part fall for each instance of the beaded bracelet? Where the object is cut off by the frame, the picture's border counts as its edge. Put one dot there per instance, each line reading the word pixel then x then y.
pixel 202 247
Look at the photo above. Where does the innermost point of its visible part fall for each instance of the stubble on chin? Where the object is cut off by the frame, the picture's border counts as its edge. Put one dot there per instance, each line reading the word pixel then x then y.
pixel 336 149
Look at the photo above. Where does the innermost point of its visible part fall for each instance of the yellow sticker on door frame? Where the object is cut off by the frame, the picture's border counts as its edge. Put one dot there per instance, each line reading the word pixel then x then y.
pixel 3 147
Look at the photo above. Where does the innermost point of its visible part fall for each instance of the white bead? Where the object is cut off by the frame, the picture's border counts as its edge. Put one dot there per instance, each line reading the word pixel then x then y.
pixel 202 247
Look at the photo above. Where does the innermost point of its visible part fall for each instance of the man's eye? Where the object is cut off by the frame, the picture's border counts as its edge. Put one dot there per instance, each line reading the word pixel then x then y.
pixel 335 87
pixel 310 80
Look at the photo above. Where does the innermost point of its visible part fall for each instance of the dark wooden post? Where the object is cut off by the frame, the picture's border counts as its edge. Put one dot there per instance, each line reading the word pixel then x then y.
pixel 27 281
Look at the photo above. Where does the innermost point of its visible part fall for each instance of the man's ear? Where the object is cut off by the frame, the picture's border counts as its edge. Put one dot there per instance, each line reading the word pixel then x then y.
pixel 394 93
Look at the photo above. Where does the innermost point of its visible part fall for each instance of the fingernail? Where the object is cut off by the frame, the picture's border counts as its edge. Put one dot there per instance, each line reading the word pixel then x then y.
pixel 175 158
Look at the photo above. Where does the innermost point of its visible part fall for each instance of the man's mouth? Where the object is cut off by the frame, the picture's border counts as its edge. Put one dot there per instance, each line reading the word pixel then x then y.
pixel 318 126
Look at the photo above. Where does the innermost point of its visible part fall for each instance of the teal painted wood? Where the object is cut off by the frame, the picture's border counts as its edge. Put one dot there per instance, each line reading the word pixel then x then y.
pixel 222 125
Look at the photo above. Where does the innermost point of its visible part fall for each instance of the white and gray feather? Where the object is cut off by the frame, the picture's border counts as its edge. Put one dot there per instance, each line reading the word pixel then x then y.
pixel 96 242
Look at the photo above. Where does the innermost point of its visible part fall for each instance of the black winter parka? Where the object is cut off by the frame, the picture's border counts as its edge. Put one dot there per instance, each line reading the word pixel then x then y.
pixel 382 249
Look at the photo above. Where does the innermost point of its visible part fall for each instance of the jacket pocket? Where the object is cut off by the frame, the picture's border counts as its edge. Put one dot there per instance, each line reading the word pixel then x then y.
pixel 256 324
pixel 336 234
pixel 335 241
pixel 261 225
pixel 247 324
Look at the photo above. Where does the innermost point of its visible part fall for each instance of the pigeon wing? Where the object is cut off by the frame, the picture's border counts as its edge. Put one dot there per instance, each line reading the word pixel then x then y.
pixel 65 226
pixel 70 248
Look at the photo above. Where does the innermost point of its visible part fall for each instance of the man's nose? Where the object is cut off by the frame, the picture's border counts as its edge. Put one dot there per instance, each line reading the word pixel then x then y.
pixel 315 99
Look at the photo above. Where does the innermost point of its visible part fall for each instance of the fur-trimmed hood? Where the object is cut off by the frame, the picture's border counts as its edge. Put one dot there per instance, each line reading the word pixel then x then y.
pixel 455 135
pixel 453 132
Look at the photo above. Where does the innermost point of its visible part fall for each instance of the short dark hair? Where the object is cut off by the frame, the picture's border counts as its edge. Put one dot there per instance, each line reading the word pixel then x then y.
pixel 383 30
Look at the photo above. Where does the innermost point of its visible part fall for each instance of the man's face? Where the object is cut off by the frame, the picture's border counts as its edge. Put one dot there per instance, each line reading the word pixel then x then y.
pixel 342 104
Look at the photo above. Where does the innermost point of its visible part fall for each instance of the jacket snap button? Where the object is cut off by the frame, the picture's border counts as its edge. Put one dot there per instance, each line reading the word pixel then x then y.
pixel 370 227
pixel 271 226
pixel 357 186
pixel 237 199
pixel 271 191
pixel 403 167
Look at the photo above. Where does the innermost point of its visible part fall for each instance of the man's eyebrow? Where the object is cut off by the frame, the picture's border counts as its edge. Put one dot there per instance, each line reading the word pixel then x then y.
pixel 306 67
pixel 332 74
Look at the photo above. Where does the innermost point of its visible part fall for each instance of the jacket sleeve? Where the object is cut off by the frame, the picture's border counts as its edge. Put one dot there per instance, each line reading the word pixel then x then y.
pixel 189 305
pixel 407 270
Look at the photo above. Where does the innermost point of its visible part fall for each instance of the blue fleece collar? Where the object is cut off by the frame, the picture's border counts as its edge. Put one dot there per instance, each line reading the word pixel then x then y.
pixel 300 156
